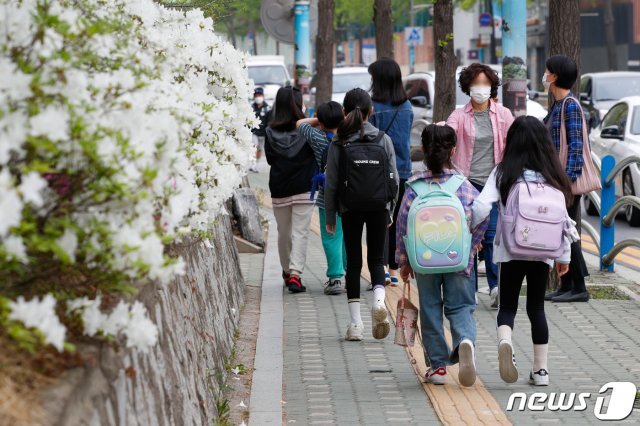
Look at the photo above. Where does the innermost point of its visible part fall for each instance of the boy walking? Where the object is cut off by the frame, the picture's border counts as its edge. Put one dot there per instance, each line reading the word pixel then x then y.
pixel 262 110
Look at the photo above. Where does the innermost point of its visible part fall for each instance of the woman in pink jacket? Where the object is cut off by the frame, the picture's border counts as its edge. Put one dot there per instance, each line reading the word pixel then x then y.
pixel 481 128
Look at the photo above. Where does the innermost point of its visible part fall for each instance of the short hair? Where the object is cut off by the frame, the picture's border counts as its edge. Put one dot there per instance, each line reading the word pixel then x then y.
pixel 565 68
pixel 468 74
pixel 330 114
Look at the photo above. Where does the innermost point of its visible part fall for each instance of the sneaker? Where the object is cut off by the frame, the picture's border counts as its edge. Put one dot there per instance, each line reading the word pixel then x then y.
pixel 495 299
pixel 467 361
pixel 550 296
pixel 394 281
pixel 507 362
pixel 539 378
pixel 380 322
pixel 333 287
pixel 355 332
pixel 437 376
pixel 295 284
pixel 572 297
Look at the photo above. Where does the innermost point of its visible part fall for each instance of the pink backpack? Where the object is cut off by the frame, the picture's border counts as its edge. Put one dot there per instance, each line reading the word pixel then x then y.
pixel 533 221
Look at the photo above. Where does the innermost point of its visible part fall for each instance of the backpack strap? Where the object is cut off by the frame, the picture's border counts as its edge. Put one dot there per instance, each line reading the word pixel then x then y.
pixel 420 187
pixel 453 184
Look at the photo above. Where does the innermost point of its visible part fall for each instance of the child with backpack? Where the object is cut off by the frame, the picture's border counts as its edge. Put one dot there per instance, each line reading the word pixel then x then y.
pixel 436 245
pixel 319 132
pixel 533 233
pixel 362 185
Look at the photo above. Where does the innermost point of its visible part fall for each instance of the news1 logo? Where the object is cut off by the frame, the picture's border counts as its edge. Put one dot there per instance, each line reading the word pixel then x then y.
pixel 619 407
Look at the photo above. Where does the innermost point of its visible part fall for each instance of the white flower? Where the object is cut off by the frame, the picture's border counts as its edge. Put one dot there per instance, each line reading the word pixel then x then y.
pixel 140 331
pixel 10 204
pixel 51 122
pixel 40 315
pixel 69 243
pixel 15 248
pixel 31 188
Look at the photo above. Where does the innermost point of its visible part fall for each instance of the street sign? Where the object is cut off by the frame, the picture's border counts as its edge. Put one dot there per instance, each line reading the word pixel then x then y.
pixel 485 20
pixel 413 36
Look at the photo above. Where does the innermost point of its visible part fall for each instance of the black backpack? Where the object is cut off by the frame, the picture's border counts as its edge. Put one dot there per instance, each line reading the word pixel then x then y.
pixel 366 180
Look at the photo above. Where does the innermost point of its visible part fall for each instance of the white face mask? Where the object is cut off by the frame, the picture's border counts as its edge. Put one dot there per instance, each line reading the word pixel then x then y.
pixel 259 100
pixel 480 94
pixel 545 83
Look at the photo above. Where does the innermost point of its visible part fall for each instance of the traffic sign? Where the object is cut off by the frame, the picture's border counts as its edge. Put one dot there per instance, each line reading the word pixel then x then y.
pixel 413 36
pixel 485 20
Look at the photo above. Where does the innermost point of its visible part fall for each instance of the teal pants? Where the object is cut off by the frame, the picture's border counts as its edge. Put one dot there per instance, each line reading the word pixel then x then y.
pixel 333 245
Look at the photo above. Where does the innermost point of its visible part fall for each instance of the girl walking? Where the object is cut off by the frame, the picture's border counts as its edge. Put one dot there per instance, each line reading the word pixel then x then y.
pixel 529 157
pixel 453 291
pixel 361 185
pixel 392 113
pixel 292 168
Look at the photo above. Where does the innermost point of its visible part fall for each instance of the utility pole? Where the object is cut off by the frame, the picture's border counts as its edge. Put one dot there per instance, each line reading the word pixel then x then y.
pixel 514 46
pixel 412 49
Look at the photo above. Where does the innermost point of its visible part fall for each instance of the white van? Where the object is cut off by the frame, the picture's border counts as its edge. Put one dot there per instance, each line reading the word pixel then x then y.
pixel 269 72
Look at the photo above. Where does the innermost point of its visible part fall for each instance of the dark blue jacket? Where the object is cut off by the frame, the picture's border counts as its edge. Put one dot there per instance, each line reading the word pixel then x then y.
pixel 399 132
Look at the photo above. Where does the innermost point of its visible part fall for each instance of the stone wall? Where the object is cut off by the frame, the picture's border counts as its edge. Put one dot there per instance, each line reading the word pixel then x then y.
pixel 175 383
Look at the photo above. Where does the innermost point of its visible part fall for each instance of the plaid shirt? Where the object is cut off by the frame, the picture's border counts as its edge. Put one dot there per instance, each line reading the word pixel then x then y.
pixel 466 193
pixel 573 122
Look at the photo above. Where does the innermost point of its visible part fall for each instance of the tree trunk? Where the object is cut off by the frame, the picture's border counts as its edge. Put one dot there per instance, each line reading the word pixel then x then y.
pixel 564 32
pixel 384 28
pixel 324 52
pixel 445 60
pixel 610 35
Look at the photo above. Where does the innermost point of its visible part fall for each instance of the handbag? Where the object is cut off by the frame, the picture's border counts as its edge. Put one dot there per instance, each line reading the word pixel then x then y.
pixel 406 319
pixel 589 180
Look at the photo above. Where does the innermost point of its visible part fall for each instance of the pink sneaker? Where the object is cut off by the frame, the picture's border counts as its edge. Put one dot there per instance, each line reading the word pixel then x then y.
pixel 437 376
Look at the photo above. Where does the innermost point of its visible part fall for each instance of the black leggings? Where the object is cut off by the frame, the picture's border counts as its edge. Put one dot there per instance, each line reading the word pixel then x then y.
pixel 390 242
pixel 510 279
pixel 352 224
pixel 574 279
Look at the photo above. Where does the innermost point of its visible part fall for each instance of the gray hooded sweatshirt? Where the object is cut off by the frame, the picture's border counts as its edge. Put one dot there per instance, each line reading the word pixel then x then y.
pixel 331 202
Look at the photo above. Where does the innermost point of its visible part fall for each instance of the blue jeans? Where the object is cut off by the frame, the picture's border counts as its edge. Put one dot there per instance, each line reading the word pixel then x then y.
pixel 487 246
pixel 454 293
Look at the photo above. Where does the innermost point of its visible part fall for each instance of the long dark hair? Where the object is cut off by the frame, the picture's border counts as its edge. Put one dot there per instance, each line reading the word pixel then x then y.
pixel 437 143
pixel 357 105
pixel 529 147
pixel 287 109
pixel 386 82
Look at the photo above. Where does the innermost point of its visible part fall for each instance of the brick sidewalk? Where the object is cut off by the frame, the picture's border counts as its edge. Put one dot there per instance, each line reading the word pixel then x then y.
pixel 590 344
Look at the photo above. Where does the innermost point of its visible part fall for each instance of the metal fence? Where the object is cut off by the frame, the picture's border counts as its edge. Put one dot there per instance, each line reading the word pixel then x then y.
pixel 609 207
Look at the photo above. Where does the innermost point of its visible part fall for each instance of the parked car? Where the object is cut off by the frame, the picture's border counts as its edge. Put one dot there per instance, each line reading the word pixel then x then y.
pixel 420 88
pixel 345 78
pixel 619 135
pixel 269 72
pixel 599 91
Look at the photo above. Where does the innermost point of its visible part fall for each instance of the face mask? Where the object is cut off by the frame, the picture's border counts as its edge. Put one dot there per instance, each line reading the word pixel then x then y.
pixel 545 83
pixel 259 100
pixel 480 94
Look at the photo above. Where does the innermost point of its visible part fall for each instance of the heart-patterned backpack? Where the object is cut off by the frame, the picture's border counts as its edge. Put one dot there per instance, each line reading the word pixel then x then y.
pixel 438 239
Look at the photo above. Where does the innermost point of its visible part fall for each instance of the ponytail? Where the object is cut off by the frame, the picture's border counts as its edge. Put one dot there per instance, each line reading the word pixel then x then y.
pixel 437 143
pixel 357 104
pixel 352 123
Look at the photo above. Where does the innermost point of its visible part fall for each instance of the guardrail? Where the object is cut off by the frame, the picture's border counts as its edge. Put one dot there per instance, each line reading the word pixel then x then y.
pixel 608 208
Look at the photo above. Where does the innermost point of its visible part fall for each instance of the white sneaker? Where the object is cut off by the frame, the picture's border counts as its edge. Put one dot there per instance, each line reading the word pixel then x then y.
pixel 437 376
pixel 539 378
pixel 355 332
pixel 467 361
pixel 495 297
pixel 507 362
pixel 380 322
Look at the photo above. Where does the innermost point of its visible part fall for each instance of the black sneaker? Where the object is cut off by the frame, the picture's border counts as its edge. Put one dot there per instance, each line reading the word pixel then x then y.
pixel 553 294
pixel 333 287
pixel 295 284
pixel 569 296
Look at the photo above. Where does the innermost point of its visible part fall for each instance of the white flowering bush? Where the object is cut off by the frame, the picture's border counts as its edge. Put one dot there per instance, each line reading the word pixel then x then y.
pixel 123 126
